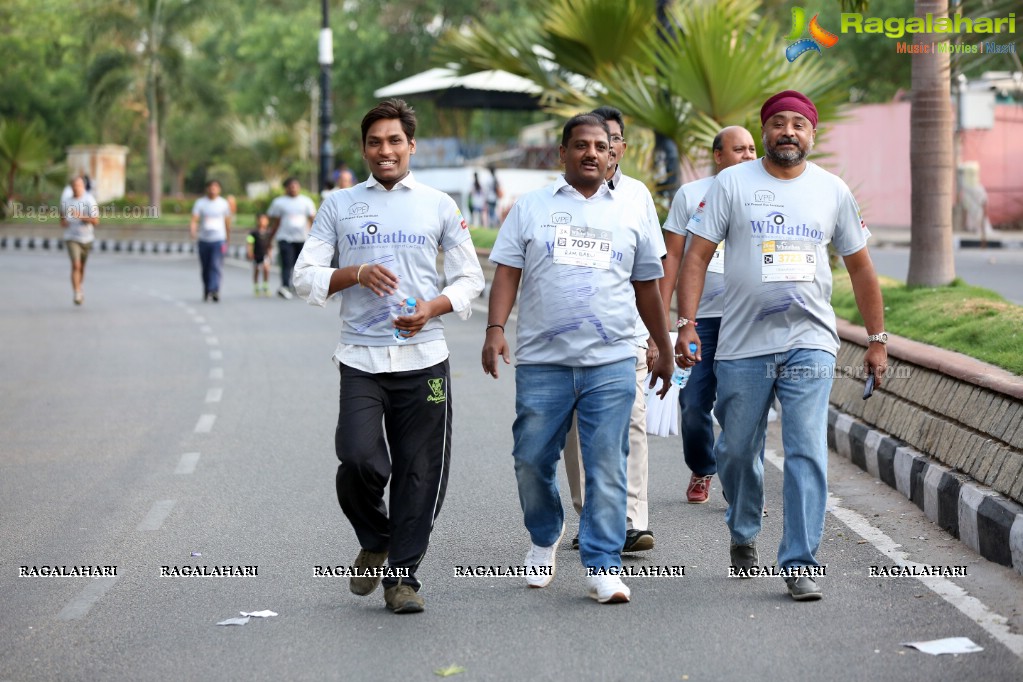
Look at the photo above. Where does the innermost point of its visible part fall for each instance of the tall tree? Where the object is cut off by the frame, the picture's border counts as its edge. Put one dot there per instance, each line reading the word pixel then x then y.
pixel 141 58
pixel 931 261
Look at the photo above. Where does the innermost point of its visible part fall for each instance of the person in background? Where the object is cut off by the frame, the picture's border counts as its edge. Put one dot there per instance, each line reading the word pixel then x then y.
pixel 211 225
pixel 79 215
pixel 291 216
pixel 258 247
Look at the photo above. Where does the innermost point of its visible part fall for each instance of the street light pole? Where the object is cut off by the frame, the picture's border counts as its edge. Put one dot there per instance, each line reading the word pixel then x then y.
pixel 326 59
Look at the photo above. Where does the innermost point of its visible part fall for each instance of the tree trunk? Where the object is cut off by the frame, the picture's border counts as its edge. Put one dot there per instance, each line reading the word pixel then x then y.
pixel 931 257
pixel 154 160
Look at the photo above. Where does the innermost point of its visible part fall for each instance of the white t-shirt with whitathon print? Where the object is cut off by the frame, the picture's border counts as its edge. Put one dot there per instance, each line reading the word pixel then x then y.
pixel 294 213
pixel 776 234
pixel 683 206
pixel 579 257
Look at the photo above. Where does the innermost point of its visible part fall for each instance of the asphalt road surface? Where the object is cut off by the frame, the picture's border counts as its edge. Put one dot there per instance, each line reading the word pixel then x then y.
pixel 146 426
pixel 1000 270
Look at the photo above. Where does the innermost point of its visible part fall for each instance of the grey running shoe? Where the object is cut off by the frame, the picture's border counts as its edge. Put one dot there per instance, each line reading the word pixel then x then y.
pixel 363 585
pixel 803 588
pixel 402 598
pixel 744 557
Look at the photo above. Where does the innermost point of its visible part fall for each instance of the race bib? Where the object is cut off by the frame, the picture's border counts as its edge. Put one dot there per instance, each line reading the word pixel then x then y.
pixel 785 261
pixel 582 246
pixel 717 261
pixel 212 223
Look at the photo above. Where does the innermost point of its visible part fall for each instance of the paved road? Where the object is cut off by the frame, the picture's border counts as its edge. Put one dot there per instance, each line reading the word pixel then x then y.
pixel 998 269
pixel 145 426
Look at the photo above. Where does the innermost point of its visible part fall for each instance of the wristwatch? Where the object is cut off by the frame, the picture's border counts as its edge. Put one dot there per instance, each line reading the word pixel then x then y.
pixel 881 338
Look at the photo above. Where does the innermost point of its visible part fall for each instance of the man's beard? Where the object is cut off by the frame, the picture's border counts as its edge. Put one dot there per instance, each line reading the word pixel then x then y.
pixel 787 158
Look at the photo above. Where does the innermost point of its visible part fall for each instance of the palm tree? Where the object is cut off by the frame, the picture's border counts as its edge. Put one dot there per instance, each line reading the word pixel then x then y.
pixel 931 261
pixel 24 150
pixel 143 52
pixel 716 69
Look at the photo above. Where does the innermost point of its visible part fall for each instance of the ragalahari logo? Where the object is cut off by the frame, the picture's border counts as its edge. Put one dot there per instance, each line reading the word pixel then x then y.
pixel 818 36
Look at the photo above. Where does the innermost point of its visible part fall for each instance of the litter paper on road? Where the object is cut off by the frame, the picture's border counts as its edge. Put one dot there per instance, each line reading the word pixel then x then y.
pixel 234 621
pixel 259 614
pixel 949 645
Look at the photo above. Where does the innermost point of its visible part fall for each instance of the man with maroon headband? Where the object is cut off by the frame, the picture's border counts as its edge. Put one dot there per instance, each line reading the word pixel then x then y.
pixel 777 216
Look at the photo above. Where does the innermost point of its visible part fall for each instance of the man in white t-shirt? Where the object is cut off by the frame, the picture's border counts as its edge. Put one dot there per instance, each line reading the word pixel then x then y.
pixel 79 214
pixel 778 338
pixel 291 217
pixel 586 262
pixel 211 225
pixel 638 536
pixel 732 145
pixel 394 411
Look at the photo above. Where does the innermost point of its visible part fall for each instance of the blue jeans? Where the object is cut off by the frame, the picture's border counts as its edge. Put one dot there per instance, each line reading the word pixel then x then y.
pixel 546 396
pixel 289 256
pixel 801 379
pixel 211 258
pixel 696 401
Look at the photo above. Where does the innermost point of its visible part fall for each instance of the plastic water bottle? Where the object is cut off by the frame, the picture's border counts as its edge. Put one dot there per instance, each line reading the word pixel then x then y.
pixel 680 377
pixel 407 308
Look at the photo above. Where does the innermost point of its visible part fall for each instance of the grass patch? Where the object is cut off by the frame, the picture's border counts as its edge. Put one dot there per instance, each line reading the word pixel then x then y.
pixel 483 237
pixel 959 317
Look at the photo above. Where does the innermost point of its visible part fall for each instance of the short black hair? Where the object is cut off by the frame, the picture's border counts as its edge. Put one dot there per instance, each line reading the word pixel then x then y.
pixel 610 114
pixel 388 109
pixel 583 120
pixel 718 144
pixel 288 181
pixel 213 180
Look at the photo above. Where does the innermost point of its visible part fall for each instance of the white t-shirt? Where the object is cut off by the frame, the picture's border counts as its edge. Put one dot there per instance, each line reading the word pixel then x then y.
pixel 636 192
pixel 403 229
pixel 294 213
pixel 212 214
pixel 578 257
pixel 77 229
pixel 683 206
pixel 778 279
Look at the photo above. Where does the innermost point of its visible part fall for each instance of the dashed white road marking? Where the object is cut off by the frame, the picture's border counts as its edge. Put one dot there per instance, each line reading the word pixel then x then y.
pixel 212 341
pixel 216 373
pixel 214 395
pixel 187 463
pixel 205 423
pixel 216 355
pixel 80 605
pixel 157 513
pixel 206 329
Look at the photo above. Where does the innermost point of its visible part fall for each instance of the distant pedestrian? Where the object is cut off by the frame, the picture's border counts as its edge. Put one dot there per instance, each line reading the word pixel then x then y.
pixel 79 215
pixel 494 195
pixel 479 211
pixel 291 216
pixel 259 249
pixel 211 225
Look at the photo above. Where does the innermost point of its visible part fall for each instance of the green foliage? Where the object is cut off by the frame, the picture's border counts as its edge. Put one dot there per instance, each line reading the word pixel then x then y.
pixel 959 317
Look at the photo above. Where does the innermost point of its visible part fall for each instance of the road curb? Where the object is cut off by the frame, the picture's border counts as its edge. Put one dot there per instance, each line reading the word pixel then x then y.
pixel 135 246
pixel 978 516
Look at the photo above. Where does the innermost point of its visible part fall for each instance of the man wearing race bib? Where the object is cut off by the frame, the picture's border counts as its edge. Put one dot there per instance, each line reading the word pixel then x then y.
pixel 778 338
pixel 586 262
pixel 731 146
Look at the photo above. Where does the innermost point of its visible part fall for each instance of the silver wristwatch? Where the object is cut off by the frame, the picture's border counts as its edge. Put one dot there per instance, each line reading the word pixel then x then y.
pixel 881 338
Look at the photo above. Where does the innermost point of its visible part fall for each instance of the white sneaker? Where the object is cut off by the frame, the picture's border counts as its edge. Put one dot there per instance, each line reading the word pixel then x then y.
pixel 540 557
pixel 608 589
pixel 284 293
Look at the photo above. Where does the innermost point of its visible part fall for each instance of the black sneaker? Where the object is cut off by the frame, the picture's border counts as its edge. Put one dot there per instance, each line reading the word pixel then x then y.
pixel 575 542
pixel 744 557
pixel 638 540
pixel 803 588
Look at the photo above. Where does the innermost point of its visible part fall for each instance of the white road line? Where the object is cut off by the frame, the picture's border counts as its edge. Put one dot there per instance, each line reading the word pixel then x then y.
pixel 212 341
pixel 187 463
pixel 199 319
pixel 216 373
pixel 155 518
pixel 996 625
pixel 214 395
pixel 80 605
pixel 205 423
pixel 206 329
pixel 190 311
pixel 216 355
